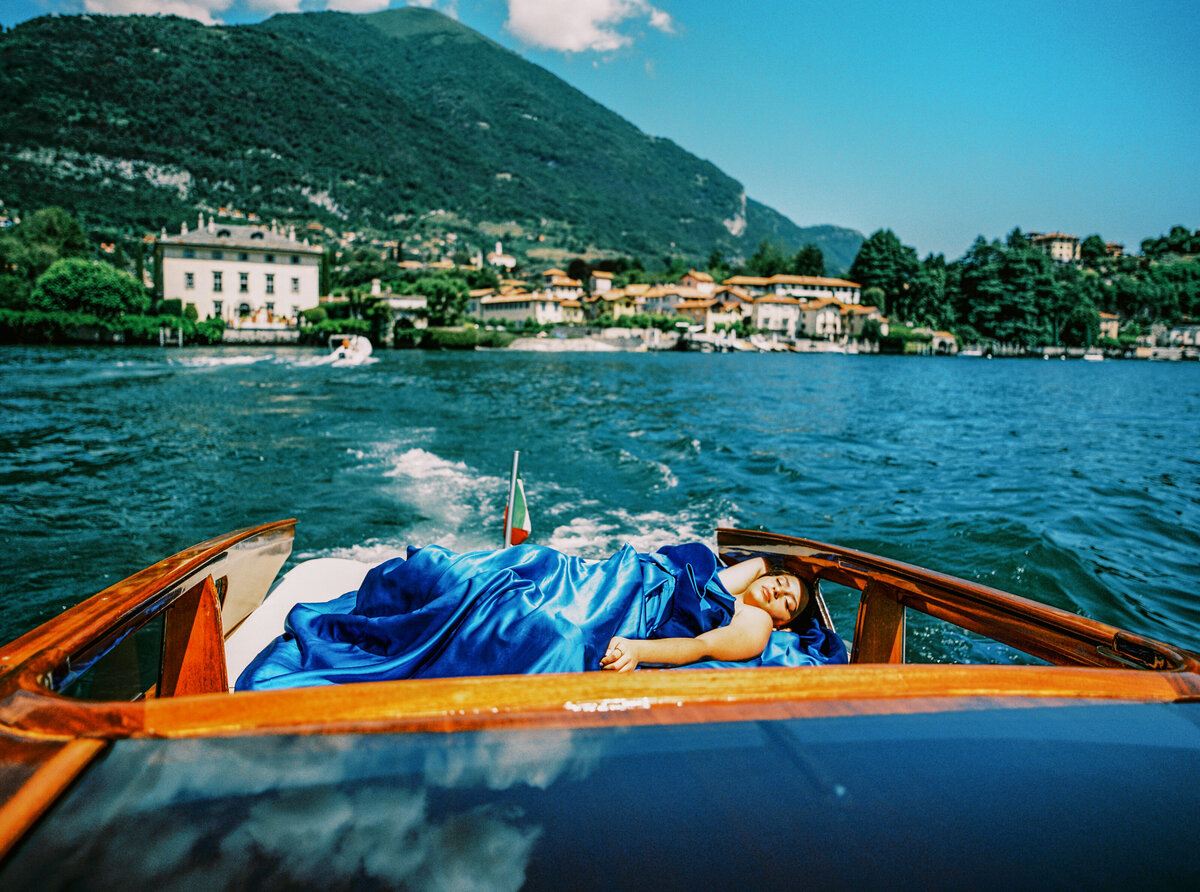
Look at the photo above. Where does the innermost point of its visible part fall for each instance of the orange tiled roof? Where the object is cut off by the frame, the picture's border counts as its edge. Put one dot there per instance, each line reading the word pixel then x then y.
pixel 812 280
pixel 601 274
pixel 699 276
pixel 554 272
pixel 695 304
pixel 519 296
pixel 747 280
pixel 820 303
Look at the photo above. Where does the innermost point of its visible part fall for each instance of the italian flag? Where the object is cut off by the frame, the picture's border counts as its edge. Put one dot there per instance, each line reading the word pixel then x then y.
pixel 520 516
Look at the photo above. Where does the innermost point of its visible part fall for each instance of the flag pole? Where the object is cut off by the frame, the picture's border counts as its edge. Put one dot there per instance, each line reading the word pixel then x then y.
pixel 512 494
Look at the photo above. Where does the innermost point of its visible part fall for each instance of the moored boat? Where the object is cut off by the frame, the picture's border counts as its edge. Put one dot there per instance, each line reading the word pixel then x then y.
pixel 125 759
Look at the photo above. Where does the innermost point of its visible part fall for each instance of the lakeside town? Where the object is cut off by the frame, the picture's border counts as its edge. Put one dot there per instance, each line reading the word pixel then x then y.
pixel 241 281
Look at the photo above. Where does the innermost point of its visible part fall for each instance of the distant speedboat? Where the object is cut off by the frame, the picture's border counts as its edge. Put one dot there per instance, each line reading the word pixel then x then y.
pixel 1093 355
pixel 976 352
pixel 349 349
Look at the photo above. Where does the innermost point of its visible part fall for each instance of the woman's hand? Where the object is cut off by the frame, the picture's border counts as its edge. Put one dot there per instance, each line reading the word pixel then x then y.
pixel 622 655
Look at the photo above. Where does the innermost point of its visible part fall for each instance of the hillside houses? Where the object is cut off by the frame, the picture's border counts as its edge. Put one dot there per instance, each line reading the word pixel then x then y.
pixel 791 306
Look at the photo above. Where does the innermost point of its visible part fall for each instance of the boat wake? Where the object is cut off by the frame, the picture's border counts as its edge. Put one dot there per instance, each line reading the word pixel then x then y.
pixel 451 503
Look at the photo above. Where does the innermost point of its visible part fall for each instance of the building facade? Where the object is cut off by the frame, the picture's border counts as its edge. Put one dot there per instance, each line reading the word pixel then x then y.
pixel 245 275
pixel 544 309
pixel 1061 247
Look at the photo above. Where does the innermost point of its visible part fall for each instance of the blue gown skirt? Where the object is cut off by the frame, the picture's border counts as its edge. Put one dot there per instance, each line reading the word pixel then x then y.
pixel 521 610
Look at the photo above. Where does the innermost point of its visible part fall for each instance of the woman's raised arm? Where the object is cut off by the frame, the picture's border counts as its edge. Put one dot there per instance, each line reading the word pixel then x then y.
pixel 738 577
pixel 743 638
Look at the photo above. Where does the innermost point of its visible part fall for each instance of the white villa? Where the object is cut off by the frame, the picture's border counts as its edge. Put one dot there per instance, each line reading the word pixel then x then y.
pixel 246 275
pixel 821 318
pixel 499 258
pixel 545 309
pixel 1061 247
pixel 775 313
pixel 816 288
pixel 559 284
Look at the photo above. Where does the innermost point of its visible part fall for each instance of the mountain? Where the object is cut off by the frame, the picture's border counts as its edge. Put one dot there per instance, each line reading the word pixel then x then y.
pixel 402 122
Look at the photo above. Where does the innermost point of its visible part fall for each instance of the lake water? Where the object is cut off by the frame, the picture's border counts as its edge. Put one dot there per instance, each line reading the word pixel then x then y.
pixel 1077 484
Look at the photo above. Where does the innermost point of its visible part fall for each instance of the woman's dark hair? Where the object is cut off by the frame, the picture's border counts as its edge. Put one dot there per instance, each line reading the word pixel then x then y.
pixel 778 565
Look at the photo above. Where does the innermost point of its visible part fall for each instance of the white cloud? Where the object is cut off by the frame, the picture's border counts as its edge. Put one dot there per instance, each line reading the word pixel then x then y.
pixel 273 6
pixel 205 11
pixel 446 7
pixel 356 5
pixel 575 26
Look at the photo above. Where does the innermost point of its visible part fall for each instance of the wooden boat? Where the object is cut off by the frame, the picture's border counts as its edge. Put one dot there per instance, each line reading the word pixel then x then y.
pixel 124 759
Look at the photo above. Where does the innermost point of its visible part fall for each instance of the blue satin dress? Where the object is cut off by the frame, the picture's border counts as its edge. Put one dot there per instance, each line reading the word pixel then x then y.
pixel 521 610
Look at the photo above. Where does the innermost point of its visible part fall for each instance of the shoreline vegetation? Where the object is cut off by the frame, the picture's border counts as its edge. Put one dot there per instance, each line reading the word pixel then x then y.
pixel 60 284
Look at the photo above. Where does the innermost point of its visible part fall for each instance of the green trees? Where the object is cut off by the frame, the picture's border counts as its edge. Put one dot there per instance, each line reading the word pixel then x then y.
pixel 809 261
pixel 767 261
pixel 883 262
pixel 31 248
pixel 89 287
pixel 447 297
pixel 1177 241
pixel 1092 252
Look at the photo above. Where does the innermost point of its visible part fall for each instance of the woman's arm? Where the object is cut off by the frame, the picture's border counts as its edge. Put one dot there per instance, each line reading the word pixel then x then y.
pixel 738 577
pixel 743 638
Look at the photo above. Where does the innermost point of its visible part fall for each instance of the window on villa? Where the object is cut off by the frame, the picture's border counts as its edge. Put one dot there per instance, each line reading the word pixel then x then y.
pixel 295 285
pixel 189 253
pixel 243 256
pixel 218 305
pixel 270 258
pixel 271 307
pixel 189 281
pixel 270 283
pixel 244 310
pixel 256 235
pixel 217 282
pixel 218 255
pixel 295 258
pixel 244 283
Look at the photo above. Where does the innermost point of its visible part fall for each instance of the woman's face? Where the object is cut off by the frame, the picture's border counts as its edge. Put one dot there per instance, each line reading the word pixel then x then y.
pixel 783 597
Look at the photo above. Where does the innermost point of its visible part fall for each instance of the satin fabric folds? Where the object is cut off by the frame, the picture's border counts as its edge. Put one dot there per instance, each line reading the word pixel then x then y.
pixel 521 610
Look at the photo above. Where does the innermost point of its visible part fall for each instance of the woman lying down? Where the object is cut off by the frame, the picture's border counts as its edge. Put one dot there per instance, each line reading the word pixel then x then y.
pixel 531 609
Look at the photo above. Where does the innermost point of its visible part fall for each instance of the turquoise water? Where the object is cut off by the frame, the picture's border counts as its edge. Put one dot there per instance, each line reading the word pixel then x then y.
pixel 1077 484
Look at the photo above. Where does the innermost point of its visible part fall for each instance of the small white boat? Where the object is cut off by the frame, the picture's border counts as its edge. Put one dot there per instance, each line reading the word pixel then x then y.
pixel 1094 355
pixel 976 352
pixel 349 349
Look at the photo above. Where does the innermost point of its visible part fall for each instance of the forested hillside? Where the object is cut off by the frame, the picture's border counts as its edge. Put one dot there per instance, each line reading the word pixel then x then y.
pixel 361 122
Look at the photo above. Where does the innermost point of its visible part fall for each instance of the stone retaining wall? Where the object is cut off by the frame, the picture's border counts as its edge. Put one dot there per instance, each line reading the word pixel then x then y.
pixel 260 336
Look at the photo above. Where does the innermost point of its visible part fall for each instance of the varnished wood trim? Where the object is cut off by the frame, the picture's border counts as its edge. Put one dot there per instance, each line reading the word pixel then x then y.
pixel 1034 628
pixel 28 804
pixel 193 660
pixel 87 628
pixel 498 701
pixel 880 626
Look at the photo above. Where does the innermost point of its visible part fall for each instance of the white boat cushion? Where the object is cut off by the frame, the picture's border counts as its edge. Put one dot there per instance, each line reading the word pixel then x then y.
pixel 321 579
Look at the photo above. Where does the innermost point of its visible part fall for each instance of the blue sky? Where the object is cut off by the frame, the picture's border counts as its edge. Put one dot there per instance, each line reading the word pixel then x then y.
pixel 939 120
